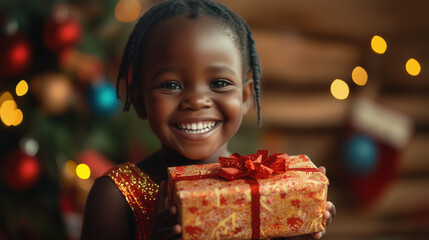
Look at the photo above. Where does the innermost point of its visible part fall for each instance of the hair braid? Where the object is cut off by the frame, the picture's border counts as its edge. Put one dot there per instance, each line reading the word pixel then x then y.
pixel 256 70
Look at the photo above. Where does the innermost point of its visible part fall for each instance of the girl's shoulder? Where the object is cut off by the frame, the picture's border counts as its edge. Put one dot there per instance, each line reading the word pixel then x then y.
pixel 107 214
pixel 123 196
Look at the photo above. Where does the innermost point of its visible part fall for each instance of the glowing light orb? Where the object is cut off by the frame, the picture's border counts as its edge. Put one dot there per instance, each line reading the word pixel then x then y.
pixel 359 76
pixel 5 96
pixel 10 114
pixel 339 89
pixel 29 146
pixel 413 67
pixel 83 171
pixel 378 44
pixel 127 10
pixel 54 90
pixel 21 88
pixel 70 168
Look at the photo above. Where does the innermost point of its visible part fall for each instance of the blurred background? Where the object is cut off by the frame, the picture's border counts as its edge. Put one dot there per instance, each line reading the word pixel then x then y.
pixel 345 82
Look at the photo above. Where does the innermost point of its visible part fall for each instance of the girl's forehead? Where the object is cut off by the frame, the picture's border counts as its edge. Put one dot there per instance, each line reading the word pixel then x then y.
pixel 193 44
pixel 190 29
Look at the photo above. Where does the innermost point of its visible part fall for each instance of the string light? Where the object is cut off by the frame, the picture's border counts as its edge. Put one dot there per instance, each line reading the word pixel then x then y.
pixel 10 114
pixel 70 168
pixel 83 171
pixel 21 88
pixel 359 76
pixel 5 96
pixel 339 89
pixel 378 44
pixel 413 67
pixel 30 146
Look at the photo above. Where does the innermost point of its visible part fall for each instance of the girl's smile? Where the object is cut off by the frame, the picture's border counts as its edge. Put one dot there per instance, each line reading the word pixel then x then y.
pixel 194 90
pixel 198 129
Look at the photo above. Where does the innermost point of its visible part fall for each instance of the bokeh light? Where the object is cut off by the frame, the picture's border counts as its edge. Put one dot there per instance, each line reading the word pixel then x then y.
pixel 83 171
pixel 339 89
pixel 10 114
pixel 54 91
pixel 30 146
pixel 5 96
pixel 70 168
pixel 127 10
pixel 21 88
pixel 29 169
pixel 413 67
pixel 20 54
pixel 103 100
pixel 378 44
pixel 359 76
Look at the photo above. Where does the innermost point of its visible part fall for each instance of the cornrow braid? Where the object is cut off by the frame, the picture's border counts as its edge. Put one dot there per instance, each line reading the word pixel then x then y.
pixel 132 57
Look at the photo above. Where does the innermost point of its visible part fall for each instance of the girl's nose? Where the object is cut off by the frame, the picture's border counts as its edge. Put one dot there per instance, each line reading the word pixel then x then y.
pixel 195 100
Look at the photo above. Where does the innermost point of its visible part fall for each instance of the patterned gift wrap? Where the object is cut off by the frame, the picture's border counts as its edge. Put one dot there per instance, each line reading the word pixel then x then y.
pixel 210 207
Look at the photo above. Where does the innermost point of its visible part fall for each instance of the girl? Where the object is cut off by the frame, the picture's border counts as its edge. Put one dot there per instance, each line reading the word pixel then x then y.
pixel 195 73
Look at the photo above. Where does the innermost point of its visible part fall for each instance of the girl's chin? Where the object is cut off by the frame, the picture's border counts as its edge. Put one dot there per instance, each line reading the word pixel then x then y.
pixel 199 155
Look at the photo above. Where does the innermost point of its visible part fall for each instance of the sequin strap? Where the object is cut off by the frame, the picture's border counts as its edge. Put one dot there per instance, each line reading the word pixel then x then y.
pixel 141 194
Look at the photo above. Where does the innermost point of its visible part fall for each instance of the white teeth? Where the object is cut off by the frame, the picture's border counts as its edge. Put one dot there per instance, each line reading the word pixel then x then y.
pixel 197 127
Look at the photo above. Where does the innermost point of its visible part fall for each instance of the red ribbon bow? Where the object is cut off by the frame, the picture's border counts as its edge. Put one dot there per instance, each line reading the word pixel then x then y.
pixel 251 167
pixel 256 166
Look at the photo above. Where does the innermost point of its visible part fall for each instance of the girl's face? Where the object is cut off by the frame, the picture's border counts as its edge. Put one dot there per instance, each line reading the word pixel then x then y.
pixel 194 91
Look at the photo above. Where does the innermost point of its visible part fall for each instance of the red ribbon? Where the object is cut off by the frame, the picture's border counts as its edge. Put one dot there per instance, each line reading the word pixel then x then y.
pixel 256 166
pixel 255 207
pixel 252 167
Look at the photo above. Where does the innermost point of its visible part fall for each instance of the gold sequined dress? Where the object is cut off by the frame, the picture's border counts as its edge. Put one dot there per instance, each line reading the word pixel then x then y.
pixel 140 193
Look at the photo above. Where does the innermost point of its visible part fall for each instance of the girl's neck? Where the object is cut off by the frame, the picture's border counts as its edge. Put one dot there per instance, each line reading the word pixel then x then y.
pixel 172 158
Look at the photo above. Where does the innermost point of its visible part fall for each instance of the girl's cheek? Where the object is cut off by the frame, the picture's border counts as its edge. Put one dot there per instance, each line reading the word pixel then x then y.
pixel 232 108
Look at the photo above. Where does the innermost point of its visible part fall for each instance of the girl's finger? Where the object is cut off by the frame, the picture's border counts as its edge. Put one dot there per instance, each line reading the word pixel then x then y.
pixel 162 194
pixel 331 208
pixel 322 169
pixel 318 235
pixel 165 216
pixel 328 217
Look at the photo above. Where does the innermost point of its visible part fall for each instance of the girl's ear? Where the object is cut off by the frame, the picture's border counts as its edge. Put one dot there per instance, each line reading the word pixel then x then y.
pixel 248 94
pixel 138 103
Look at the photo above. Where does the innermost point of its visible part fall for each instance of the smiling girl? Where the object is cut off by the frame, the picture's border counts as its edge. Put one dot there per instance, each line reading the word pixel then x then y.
pixel 195 73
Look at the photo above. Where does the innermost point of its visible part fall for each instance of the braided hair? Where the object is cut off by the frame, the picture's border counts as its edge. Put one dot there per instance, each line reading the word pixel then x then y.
pixel 132 57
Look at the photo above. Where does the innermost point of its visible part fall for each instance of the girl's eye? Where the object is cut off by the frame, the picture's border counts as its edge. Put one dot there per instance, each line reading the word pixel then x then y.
pixel 171 86
pixel 220 83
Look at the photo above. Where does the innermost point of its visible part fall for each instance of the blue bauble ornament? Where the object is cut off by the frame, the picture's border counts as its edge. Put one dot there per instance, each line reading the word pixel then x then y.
pixel 360 155
pixel 102 98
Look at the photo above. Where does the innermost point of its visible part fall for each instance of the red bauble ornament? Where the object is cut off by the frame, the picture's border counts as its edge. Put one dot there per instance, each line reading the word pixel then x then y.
pixel 61 32
pixel 16 55
pixel 20 171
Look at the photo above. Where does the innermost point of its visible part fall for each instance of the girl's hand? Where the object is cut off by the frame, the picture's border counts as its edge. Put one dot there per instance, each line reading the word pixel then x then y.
pixel 165 224
pixel 328 215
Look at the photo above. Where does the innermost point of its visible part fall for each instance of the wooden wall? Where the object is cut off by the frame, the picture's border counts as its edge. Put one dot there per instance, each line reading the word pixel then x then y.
pixel 303 47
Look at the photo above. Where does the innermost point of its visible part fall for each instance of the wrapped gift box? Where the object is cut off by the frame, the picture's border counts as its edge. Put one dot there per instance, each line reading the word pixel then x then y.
pixel 211 207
